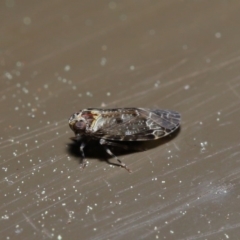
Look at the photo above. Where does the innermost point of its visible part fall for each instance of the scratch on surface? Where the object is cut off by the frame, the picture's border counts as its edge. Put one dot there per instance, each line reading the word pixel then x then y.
pixel 213 232
pixel 36 147
pixel 29 221
pixel 197 73
pixel 233 90
pixel 33 133
pixel 176 146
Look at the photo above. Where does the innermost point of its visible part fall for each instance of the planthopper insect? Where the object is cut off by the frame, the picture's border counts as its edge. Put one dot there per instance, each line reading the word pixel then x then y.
pixel 111 126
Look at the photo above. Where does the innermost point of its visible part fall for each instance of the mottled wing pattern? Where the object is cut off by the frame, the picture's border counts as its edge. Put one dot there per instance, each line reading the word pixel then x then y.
pixel 168 120
pixel 137 124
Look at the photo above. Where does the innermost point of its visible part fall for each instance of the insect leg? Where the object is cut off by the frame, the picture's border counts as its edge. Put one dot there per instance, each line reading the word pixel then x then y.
pixel 82 146
pixel 123 165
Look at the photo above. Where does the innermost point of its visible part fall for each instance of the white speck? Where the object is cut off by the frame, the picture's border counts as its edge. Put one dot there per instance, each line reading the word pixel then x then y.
pixel 218 35
pixel 200 123
pixel 218 119
pixel 19 64
pixel 95 229
pixel 89 208
pixel 27 20
pixel 45 86
pixel 132 67
pixel 67 68
pixel 171 231
pixel 16 108
pixel 59 237
pixel 25 90
pixel 103 61
pixel 89 94
pixel 8 75
pixel 163 182
pixel 19 230
pixel 152 32
pixel 104 47
pixel 5 217
pixel 186 87
pixel 108 94
pixel 123 17
pixel 63 204
pixel 112 5
pixel 219 113
pixel 226 236
pixel 155 228
pixel 157 83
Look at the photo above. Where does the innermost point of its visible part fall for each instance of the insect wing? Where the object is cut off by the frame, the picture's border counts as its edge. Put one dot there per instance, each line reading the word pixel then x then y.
pixel 166 119
pixel 137 124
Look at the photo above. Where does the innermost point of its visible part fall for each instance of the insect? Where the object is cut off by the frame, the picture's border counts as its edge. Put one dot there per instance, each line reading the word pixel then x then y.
pixel 111 126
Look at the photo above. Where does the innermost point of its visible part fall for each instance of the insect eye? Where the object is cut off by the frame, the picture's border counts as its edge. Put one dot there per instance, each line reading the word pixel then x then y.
pixel 81 125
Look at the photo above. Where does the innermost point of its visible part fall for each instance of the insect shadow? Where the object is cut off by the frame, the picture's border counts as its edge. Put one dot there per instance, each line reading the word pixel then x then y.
pixel 94 150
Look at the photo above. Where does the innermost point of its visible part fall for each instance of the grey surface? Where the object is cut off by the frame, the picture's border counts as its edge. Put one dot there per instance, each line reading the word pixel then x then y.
pixel 57 57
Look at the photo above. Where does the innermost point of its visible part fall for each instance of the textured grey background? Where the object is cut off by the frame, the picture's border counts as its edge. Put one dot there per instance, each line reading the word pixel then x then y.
pixel 60 56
